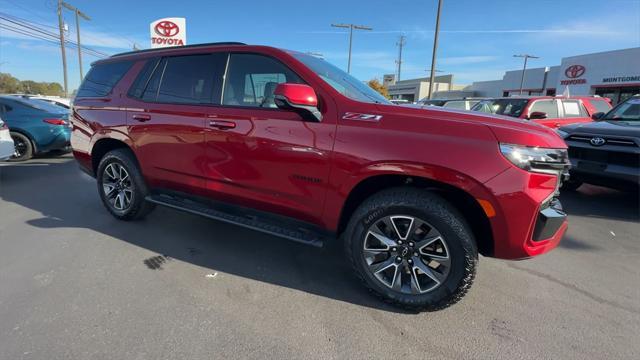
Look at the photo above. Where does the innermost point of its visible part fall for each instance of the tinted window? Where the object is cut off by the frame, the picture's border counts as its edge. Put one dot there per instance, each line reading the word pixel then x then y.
pixel 151 91
pixel 102 78
pixel 252 79
pixel 601 105
pixel 456 104
pixel 548 107
pixel 141 81
pixel 191 79
pixel 573 108
pixel 508 107
pixel 629 111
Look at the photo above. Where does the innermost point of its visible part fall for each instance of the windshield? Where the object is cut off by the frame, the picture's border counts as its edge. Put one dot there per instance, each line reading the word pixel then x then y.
pixel 342 82
pixel 627 111
pixel 508 107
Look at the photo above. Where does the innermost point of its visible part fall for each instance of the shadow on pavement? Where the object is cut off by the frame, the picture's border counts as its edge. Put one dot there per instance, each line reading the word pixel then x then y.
pixel 599 202
pixel 67 198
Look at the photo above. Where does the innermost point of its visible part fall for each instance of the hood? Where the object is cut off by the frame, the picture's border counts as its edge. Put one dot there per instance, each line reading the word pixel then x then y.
pixel 506 129
pixel 605 127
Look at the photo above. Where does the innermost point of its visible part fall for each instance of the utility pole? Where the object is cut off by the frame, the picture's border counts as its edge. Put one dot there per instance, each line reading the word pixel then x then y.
pixel 351 27
pixel 524 68
pixel 435 50
pixel 400 44
pixel 78 14
pixel 64 56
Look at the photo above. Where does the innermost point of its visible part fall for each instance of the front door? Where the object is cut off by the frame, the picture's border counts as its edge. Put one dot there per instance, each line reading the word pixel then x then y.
pixel 261 156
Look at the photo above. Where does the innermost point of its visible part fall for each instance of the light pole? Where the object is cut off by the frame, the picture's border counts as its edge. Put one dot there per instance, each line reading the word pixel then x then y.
pixel 64 55
pixel 82 15
pixel 400 44
pixel 435 49
pixel 524 68
pixel 351 27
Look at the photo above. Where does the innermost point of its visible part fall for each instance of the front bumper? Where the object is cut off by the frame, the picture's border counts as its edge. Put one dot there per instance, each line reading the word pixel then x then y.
pixel 528 220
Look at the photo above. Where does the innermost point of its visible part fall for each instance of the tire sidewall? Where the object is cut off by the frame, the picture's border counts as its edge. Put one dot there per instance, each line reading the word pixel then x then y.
pixel 139 190
pixel 28 153
pixel 458 239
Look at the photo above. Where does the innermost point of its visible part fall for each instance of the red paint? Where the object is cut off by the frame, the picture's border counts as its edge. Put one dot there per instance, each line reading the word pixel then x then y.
pixel 299 94
pixel 279 161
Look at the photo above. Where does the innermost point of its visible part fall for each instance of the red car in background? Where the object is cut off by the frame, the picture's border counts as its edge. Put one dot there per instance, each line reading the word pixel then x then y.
pixel 550 111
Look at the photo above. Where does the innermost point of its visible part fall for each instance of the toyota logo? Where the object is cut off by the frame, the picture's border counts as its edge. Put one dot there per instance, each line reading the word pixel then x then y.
pixel 574 71
pixel 597 141
pixel 167 28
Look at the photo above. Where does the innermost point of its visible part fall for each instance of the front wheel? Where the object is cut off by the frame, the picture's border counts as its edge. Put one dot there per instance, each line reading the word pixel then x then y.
pixel 412 249
pixel 122 187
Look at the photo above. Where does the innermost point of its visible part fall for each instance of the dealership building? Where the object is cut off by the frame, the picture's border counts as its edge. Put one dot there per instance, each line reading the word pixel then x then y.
pixel 612 74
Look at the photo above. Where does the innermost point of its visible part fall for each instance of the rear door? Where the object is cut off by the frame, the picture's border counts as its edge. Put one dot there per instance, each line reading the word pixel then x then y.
pixel 263 157
pixel 166 114
pixel 572 111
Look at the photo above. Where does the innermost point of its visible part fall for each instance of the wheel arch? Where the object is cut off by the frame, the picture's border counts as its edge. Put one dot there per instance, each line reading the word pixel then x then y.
pixel 28 135
pixel 461 199
pixel 103 146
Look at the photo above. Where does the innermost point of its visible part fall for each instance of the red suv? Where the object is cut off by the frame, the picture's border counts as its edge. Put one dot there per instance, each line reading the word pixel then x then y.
pixel 287 144
pixel 553 112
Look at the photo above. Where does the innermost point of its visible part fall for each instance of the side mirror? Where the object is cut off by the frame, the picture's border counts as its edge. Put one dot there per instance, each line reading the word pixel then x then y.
pixel 538 115
pixel 297 97
pixel 597 116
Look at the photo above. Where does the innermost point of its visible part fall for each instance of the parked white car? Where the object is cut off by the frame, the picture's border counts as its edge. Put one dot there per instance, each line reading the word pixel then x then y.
pixel 6 142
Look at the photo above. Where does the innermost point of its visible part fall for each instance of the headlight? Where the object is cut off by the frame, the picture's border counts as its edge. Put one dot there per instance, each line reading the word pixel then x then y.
pixel 563 134
pixel 536 159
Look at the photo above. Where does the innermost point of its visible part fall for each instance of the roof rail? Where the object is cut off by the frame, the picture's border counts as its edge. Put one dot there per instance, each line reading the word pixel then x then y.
pixel 178 47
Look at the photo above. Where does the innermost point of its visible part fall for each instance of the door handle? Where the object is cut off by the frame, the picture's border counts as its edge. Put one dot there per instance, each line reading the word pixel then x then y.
pixel 222 124
pixel 141 117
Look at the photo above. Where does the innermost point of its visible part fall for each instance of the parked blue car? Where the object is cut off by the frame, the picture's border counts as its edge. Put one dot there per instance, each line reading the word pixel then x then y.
pixel 35 126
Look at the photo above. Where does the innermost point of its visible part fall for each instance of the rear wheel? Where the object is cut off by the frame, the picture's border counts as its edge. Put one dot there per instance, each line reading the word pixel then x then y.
pixel 122 187
pixel 23 148
pixel 412 248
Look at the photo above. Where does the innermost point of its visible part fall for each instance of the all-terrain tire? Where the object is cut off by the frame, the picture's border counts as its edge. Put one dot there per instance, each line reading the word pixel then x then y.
pixel 431 208
pixel 137 207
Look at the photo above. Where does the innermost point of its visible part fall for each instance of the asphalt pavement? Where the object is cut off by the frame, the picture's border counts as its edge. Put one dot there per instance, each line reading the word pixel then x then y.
pixel 77 284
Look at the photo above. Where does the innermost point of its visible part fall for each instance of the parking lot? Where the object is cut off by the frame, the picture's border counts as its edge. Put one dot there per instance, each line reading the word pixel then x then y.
pixel 76 284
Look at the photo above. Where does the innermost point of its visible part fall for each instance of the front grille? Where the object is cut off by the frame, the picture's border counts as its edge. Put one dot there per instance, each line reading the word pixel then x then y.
pixel 607 139
pixel 606 157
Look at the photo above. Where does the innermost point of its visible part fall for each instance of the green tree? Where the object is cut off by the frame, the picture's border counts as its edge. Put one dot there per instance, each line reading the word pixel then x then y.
pixel 9 84
pixel 12 85
pixel 379 87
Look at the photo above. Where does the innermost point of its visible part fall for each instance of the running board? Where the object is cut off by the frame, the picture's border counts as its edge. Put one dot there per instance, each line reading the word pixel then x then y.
pixel 271 224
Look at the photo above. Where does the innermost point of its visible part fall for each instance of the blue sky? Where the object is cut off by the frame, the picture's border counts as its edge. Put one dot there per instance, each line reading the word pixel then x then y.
pixel 478 38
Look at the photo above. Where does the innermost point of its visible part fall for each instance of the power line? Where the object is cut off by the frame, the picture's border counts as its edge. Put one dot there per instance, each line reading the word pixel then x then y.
pixel 49 37
pixel 44 32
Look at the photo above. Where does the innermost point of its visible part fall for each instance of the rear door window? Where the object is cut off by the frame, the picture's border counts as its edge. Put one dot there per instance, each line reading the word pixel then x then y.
pixel 189 79
pixel 548 107
pixel 102 78
pixel 573 109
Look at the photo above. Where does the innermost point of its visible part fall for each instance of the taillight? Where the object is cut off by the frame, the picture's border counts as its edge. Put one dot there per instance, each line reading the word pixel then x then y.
pixel 55 121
